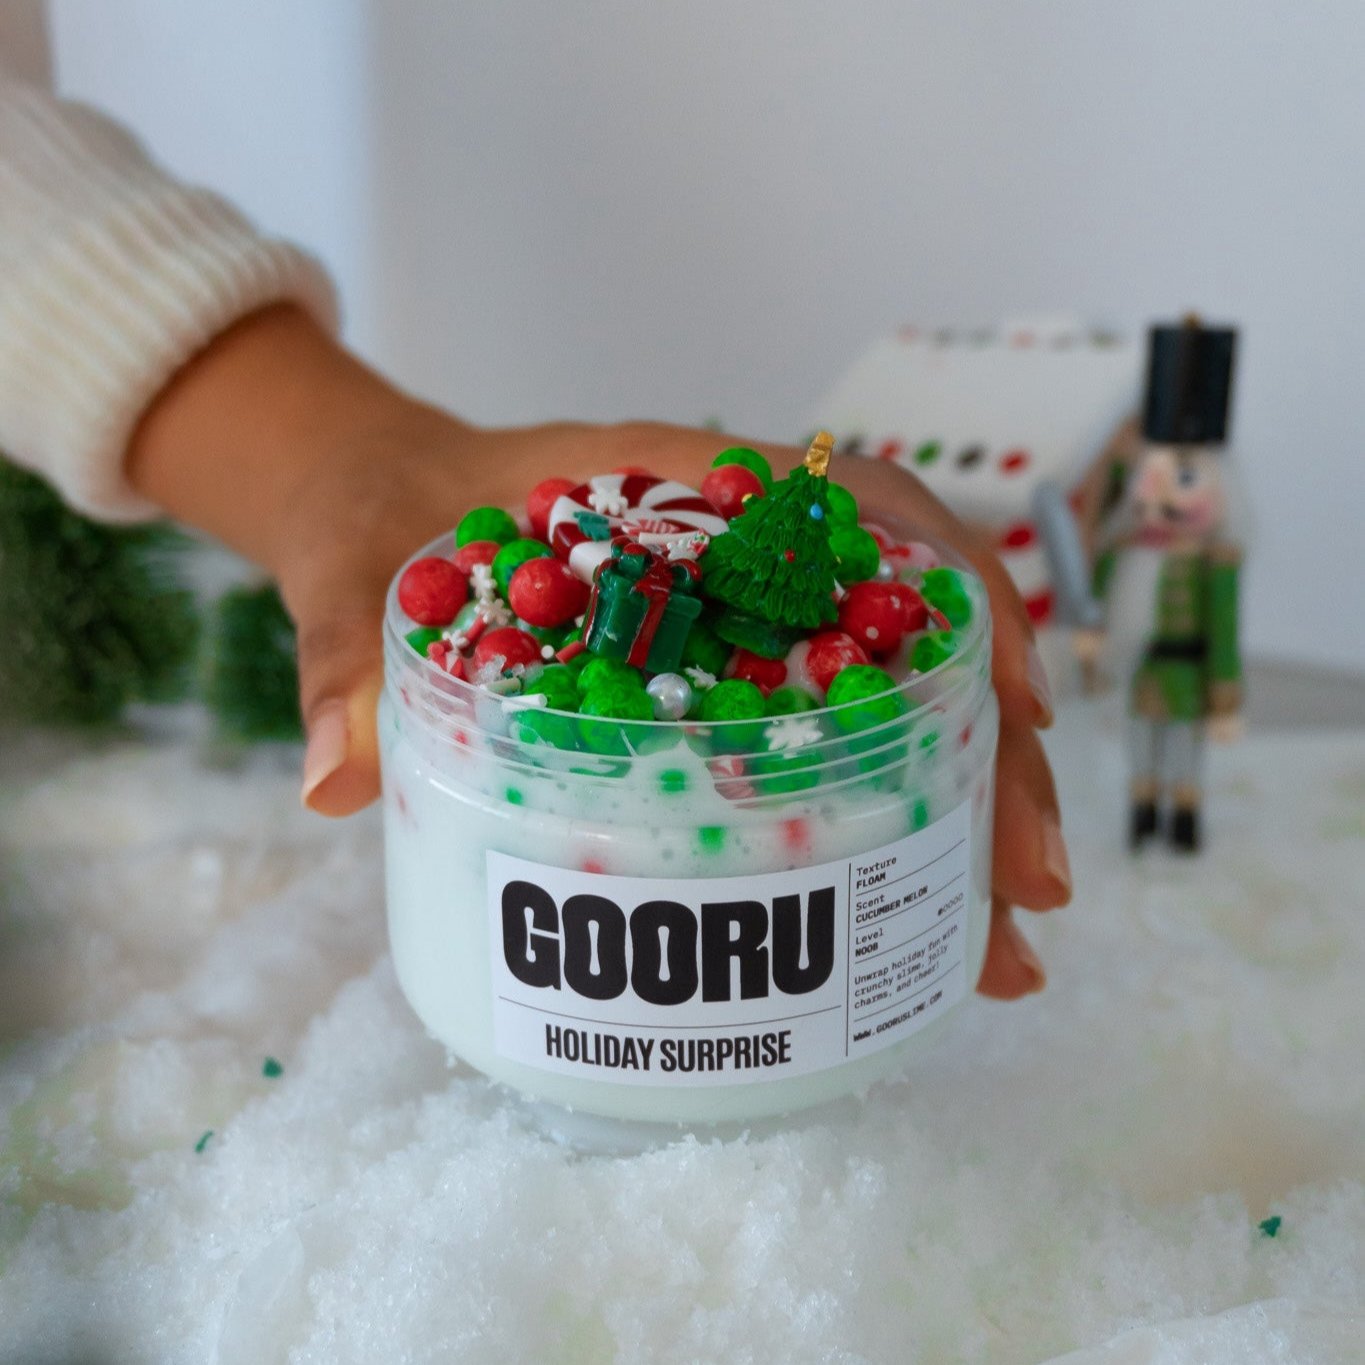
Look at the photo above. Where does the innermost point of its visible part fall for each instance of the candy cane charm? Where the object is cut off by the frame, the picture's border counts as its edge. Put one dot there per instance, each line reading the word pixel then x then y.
pixel 658 513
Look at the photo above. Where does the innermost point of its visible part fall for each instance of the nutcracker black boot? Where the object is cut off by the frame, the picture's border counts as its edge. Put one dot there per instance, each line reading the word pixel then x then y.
pixel 1142 825
pixel 1185 829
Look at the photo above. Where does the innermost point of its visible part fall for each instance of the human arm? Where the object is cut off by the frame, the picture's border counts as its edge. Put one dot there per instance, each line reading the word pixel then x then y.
pixel 157 354
pixel 284 446
pixel 114 273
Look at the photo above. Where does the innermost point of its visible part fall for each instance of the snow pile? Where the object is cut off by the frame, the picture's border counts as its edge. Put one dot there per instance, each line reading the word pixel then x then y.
pixel 1084 1172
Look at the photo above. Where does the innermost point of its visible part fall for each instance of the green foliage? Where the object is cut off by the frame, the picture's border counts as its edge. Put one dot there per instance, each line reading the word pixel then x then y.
pixel 92 617
pixel 775 562
pixel 251 677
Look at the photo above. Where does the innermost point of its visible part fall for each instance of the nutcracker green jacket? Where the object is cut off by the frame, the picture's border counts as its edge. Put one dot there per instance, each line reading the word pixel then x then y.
pixel 1191 667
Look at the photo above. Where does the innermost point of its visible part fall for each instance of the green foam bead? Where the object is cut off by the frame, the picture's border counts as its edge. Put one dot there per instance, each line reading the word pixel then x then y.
pixel 780 774
pixel 733 699
pixel 790 701
pixel 750 459
pixel 863 696
pixel 423 636
pixel 613 700
pixel 932 649
pixel 946 589
pixel 843 506
pixel 532 725
pixel 486 523
pixel 857 553
pixel 618 698
pixel 736 708
pixel 705 649
pixel 513 555
pixel 599 670
pixel 557 684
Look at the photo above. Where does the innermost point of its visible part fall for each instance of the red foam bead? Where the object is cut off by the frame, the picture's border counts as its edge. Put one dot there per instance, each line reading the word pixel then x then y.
pixel 873 614
pixel 726 487
pixel 512 645
pixel 765 674
pixel 546 592
pixel 476 552
pixel 914 614
pixel 539 501
pixel 890 547
pixel 432 590
pixel 830 651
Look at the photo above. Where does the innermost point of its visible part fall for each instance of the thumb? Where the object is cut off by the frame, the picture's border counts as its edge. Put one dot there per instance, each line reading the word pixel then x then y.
pixel 340 677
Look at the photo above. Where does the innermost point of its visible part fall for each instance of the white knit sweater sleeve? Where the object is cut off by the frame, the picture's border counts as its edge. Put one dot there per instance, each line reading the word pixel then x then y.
pixel 112 275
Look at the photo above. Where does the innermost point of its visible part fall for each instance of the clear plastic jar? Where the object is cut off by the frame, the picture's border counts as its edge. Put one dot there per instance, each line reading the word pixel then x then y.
pixel 688 923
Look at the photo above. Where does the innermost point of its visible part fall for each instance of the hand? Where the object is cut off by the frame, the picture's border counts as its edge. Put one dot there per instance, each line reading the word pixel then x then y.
pixel 1088 645
pixel 288 449
pixel 1227 729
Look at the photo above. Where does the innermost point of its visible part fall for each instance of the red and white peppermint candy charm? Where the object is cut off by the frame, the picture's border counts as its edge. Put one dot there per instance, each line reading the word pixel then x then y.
pixel 658 513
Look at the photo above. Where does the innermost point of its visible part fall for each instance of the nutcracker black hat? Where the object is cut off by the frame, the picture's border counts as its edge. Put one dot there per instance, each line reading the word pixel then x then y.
pixel 1189 383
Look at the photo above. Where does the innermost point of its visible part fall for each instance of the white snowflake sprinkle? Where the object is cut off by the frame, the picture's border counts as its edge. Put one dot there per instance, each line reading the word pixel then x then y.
pixel 608 501
pixel 792 732
pixel 700 678
pixel 484 585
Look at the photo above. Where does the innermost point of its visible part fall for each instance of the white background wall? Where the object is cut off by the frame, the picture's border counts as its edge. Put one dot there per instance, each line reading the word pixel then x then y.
pixel 696 208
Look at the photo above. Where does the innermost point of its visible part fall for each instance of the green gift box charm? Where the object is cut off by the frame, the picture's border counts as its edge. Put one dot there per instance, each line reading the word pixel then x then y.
pixel 642 607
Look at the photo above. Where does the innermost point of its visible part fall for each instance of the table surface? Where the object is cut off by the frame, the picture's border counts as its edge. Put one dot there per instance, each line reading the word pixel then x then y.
pixel 1086 1171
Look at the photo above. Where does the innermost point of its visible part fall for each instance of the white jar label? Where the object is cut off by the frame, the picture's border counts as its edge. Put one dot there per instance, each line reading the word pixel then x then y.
pixel 726 980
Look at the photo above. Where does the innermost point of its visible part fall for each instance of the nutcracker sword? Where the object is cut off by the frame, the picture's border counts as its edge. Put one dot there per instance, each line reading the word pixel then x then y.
pixel 1077 604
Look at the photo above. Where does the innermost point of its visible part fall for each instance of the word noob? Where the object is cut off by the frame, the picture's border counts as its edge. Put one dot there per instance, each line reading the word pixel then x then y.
pixel 664 951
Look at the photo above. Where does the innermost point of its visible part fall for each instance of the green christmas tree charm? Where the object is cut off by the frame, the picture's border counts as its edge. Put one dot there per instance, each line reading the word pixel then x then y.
pixel 774 567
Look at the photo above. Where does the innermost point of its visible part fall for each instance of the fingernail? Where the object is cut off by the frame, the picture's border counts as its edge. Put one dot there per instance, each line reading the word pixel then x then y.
pixel 1028 960
pixel 1039 686
pixel 1055 861
pixel 328 737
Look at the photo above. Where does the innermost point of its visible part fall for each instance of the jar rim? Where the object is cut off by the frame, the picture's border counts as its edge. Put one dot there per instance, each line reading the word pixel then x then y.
pixel 959 674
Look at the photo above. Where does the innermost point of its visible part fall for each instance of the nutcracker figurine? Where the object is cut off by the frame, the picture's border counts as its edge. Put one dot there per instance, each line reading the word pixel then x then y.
pixel 1166 574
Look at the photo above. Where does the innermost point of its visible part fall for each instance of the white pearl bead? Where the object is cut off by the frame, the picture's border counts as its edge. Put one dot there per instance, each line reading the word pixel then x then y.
pixel 886 571
pixel 671 695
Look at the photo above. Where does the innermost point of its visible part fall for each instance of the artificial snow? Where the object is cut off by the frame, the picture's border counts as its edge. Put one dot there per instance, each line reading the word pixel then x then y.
pixel 1078 1177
